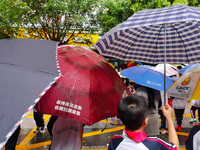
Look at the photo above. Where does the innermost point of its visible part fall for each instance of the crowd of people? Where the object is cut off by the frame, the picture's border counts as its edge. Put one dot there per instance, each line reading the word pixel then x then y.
pixel 155 103
pixel 139 112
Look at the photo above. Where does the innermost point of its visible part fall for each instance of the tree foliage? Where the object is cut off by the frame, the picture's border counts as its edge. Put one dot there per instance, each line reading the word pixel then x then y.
pixel 9 17
pixel 117 11
pixel 114 12
pixel 52 19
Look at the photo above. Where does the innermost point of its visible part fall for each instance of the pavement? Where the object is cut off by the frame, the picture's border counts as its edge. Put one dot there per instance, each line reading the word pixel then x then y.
pixel 93 138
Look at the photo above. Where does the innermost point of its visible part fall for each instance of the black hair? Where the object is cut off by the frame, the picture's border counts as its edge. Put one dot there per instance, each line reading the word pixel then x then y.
pixel 179 67
pixel 132 111
pixel 132 83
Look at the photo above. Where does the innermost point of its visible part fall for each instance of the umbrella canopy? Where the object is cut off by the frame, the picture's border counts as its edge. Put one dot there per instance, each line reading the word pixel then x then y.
pixel 134 63
pixel 148 66
pixel 167 65
pixel 88 90
pixel 112 65
pixel 147 77
pixel 170 70
pixel 27 67
pixel 147 34
pixel 188 68
pixel 187 86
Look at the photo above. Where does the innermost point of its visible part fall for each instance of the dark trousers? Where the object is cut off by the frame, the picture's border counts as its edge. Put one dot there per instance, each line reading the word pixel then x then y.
pixel 12 141
pixel 50 124
pixel 38 119
pixel 179 115
pixel 163 120
pixel 193 110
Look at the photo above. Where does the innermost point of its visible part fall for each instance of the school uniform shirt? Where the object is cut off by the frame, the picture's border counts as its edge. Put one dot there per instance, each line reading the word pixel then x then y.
pixel 195 103
pixel 67 134
pixel 132 91
pixel 179 103
pixel 196 141
pixel 192 142
pixel 138 141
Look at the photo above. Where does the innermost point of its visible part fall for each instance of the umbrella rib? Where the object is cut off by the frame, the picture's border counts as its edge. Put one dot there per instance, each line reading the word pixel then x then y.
pixel 73 86
pixel 180 37
pixel 20 66
pixel 134 41
pixel 157 42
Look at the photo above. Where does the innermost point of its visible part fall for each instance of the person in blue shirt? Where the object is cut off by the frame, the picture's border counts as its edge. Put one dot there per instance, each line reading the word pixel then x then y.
pixel 133 113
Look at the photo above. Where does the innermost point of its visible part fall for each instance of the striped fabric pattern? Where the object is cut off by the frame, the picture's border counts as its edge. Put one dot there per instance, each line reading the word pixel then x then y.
pixel 141 37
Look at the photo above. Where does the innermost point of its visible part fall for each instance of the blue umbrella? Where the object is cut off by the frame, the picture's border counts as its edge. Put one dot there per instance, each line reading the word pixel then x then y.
pixel 147 66
pixel 147 77
pixel 188 68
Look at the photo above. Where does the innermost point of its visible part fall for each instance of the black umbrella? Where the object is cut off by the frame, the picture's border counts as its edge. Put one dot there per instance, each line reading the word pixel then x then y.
pixel 27 67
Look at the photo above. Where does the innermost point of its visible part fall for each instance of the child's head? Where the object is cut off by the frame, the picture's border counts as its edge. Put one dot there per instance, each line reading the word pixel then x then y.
pixel 132 111
pixel 178 68
pixel 131 84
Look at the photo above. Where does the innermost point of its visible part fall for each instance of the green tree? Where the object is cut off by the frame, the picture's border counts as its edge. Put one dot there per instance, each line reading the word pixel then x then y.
pixel 195 3
pixel 52 19
pixel 138 5
pixel 8 19
pixel 117 11
pixel 184 2
pixel 113 13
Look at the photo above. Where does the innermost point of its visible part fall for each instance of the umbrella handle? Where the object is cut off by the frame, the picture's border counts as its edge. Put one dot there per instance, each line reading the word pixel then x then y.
pixel 165 67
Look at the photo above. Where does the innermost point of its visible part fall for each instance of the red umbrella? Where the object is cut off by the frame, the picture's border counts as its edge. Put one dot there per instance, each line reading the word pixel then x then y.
pixel 88 90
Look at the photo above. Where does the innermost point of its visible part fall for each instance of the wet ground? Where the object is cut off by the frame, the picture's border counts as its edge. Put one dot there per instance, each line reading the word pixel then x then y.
pixel 93 137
